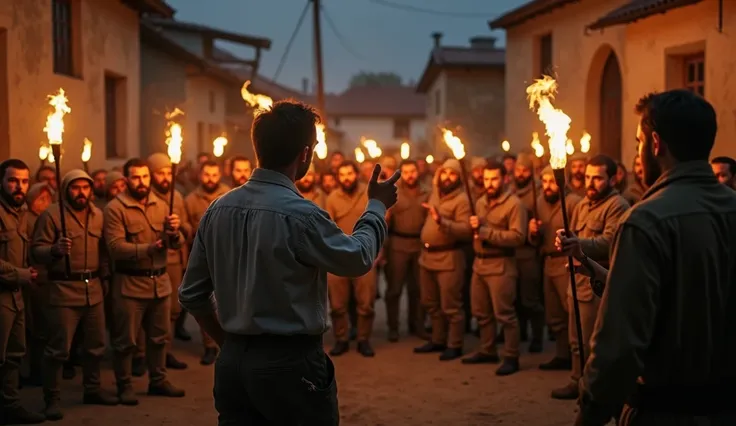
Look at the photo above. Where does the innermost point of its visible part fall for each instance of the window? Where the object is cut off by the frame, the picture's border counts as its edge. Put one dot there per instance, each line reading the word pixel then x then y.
pixel 694 73
pixel 545 54
pixel 62 37
pixel 213 102
pixel 401 129
pixel 115 114
pixel 200 137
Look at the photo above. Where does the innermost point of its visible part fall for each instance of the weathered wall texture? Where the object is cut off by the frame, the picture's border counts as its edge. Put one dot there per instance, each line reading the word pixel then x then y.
pixel 109 43
pixel 683 31
pixel 578 59
pixel 642 50
pixel 198 110
pixel 380 129
pixel 163 88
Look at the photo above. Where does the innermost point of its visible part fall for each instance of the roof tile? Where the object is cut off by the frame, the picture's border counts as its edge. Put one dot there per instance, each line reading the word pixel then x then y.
pixel 638 9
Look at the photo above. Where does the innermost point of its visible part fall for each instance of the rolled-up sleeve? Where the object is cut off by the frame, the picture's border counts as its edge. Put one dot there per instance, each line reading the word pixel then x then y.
pixel 325 246
pixel 196 293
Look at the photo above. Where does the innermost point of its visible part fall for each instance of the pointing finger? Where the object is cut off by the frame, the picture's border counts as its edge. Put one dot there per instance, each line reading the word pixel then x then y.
pixel 394 178
pixel 376 173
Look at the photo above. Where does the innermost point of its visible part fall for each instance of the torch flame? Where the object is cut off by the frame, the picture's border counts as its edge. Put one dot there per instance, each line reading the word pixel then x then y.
pixel 405 150
pixel 374 151
pixel 87 150
pixel 537 146
pixel 321 148
pixel 454 143
pixel 506 146
pixel 585 142
pixel 43 152
pixel 218 146
pixel 429 159
pixel 173 136
pixel 569 147
pixel 55 121
pixel 359 156
pixel 557 123
pixel 258 101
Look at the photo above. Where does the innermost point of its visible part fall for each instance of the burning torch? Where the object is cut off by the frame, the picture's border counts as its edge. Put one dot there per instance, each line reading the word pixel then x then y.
pixel 374 151
pixel 321 148
pixel 86 154
pixel 173 141
pixel 405 151
pixel 55 133
pixel 359 156
pixel 43 154
pixel 218 146
pixel 458 151
pixel 557 124
pixel 506 146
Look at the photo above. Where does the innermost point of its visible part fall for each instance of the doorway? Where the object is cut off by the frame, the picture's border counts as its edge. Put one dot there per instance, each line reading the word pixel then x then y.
pixel 611 101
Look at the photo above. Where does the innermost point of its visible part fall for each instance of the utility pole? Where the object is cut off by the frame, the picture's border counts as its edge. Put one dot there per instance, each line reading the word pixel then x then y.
pixel 318 60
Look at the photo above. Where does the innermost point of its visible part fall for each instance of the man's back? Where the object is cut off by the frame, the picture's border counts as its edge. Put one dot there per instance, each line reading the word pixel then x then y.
pixel 267 251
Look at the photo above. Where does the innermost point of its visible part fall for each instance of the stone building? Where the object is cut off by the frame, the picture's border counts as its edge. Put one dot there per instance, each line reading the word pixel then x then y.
pixel 464 87
pixel 90 49
pixel 606 54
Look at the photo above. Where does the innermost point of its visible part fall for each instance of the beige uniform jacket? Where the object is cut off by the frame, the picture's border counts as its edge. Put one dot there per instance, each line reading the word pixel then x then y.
pixel 130 228
pixel 453 229
pixel 88 254
pixel 345 209
pixel 178 257
pixel 406 219
pixel 503 230
pixel 14 248
pixel 198 201
pixel 551 217
pixel 317 196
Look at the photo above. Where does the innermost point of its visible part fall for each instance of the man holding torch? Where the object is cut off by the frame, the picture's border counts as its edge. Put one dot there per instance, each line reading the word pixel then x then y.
pixel 14 275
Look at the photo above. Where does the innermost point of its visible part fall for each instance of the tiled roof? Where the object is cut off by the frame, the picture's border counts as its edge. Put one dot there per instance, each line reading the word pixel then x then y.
pixel 377 101
pixel 638 9
pixel 177 25
pixel 151 7
pixel 465 57
pixel 526 12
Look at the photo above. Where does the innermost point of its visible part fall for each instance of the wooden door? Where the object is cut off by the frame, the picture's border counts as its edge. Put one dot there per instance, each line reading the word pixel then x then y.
pixel 610 108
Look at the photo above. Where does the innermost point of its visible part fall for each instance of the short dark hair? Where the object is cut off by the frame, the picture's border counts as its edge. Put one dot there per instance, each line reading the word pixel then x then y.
pixel 349 163
pixel 495 165
pixel 12 163
pixel 281 133
pixel 38 172
pixel 97 172
pixel 604 160
pixel 133 162
pixel 326 173
pixel 683 120
pixel 508 156
pixel 336 152
pixel 208 163
pixel 726 160
pixel 237 158
pixel 407 163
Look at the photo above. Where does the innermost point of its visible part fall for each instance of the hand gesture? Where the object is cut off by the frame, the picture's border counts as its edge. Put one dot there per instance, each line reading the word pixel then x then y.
pixel 172 224
pixel 34 274
pixel 474 222
pixel 158 245
pixel 62 247
pixel 534 225
pixel 385 191
pixel 433 212
pixel 568 243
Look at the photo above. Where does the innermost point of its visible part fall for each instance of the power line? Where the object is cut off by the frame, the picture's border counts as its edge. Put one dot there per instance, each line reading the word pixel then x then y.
pixel 409 8
pixel 291 41
pixel 338 34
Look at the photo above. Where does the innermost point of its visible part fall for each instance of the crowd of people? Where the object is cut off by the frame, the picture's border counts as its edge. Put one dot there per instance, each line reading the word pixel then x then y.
pixel 104 254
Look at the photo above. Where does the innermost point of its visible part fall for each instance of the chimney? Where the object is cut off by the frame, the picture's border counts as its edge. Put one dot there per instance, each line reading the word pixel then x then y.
pixel 305 86
pixel 437 36
pixel 484 42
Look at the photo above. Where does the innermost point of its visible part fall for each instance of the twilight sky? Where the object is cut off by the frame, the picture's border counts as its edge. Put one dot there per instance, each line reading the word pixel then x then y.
pixel 369 35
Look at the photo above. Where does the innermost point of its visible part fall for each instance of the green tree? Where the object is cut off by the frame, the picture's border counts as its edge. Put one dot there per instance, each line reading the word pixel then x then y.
pixel 365 78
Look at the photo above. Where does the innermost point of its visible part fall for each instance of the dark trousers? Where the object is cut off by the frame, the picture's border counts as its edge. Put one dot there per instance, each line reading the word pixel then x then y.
pixel 275 380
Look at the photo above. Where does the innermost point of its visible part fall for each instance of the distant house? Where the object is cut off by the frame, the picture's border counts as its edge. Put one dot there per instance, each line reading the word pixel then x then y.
pixel 464 87
pixel 606 54
pixel 182 68
pixel 90 49
pixel 390 115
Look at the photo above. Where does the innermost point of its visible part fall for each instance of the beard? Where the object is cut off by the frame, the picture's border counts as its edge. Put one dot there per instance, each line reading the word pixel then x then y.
pixel 522 182
pixel 100 193
pixel 162 187
pixel 210 187
pixel 579 176
pixel 305 186
pixel 551 197
pixel 447 186
pixel 78 203
pixel 478 181
pixel 594 195
pixel 16 199
pixel 139 192
pixel 303 169
pixel 411 183
pixel 349 187
pixel 239 181
pixel 493 193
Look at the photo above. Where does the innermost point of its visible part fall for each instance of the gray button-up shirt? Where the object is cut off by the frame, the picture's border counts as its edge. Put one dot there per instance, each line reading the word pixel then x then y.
pixel 263 253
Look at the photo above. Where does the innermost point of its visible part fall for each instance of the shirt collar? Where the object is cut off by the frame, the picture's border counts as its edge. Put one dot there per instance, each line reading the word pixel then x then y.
pixel 272 177
pixel 693 171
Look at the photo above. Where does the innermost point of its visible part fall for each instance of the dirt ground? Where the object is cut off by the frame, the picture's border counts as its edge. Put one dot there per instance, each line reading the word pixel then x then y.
pixel 396 388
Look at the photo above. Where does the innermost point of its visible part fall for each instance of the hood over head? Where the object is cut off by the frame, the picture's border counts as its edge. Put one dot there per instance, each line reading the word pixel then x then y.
pixel 113 177
pixel 37 189
pixel 73 175
pixel 158 161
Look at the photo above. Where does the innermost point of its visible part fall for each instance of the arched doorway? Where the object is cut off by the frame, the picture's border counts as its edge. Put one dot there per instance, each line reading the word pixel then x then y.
pixel 611 101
